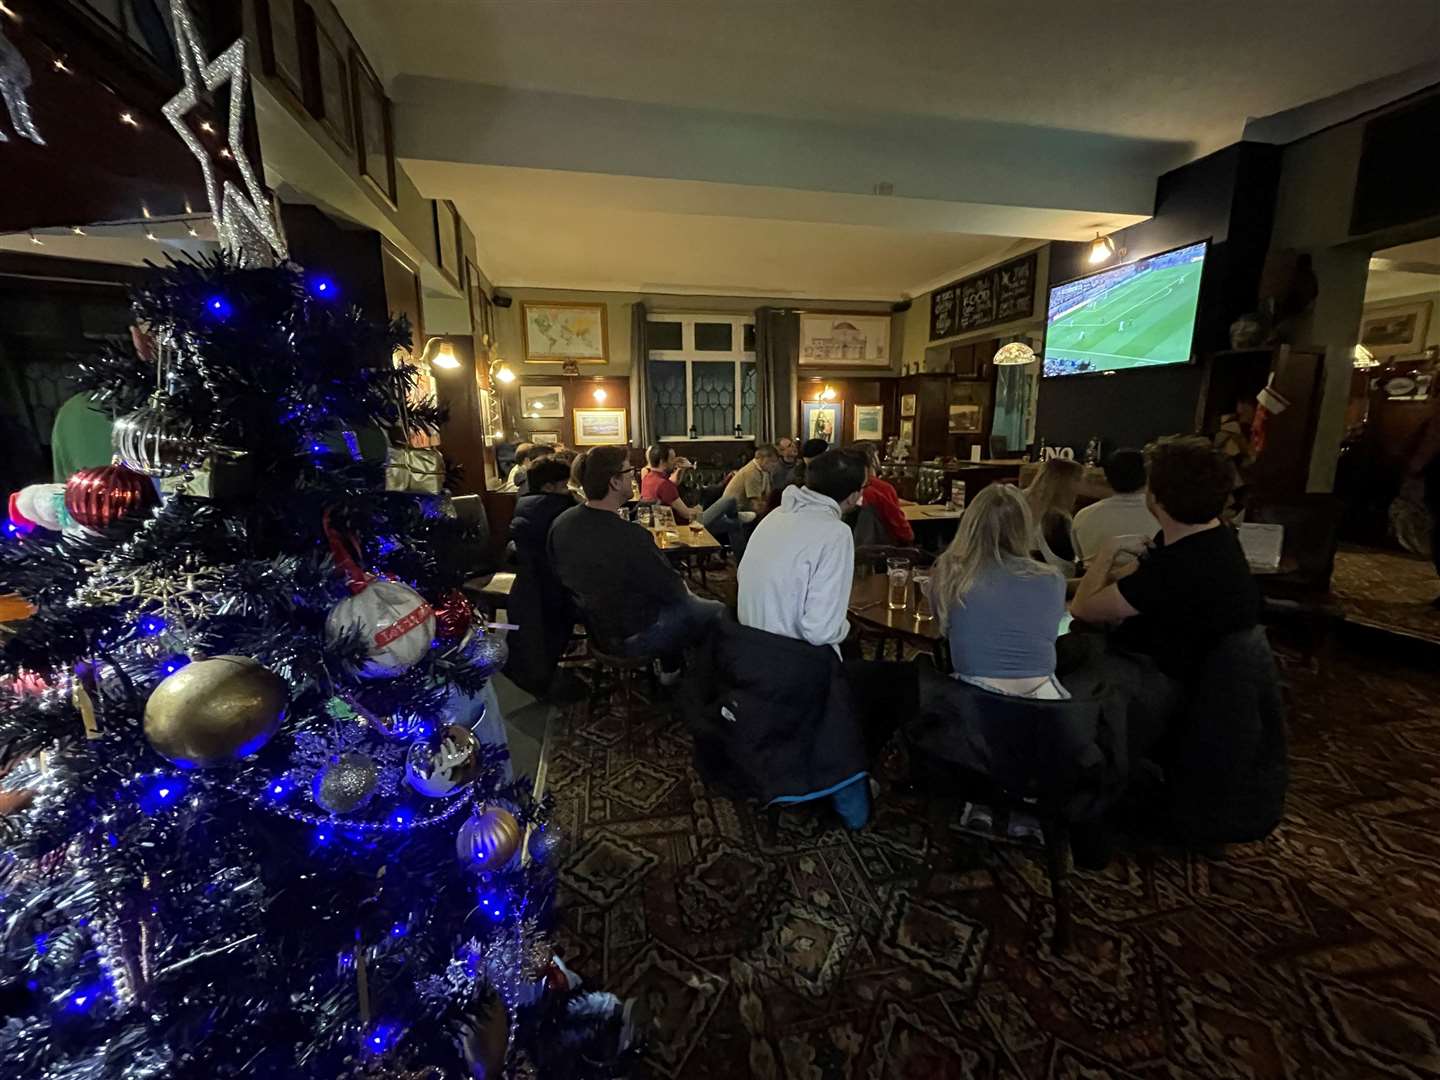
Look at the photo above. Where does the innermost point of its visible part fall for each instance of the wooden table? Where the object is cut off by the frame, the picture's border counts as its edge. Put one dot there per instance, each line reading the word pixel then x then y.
pixel 693 548
pixel 869 594
pixel 929 512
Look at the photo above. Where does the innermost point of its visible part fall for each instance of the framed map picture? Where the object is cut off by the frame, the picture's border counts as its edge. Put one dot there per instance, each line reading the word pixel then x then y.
pixel 554 333
pixel 907 404
pixel 907 432
pixel 845 341
pixel 600 427
pixel 869 422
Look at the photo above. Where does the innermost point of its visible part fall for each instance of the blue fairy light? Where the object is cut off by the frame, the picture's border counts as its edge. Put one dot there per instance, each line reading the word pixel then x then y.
pixel 323 287
pixel 219 307
pixel 399 930
pixel 174 664
pixel 382 1037
pixel 151 625
pixel 42 944
pixel 159 793
pixel 401 817
pixel 83 998
pixel 492 903
pixel 322 836
pixel 280 787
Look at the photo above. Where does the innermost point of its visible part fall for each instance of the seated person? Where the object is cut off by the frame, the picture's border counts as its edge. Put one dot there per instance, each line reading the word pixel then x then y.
pixel 1190 588
pixel 750 486
pixel 538 603
pixel 789 463
pixel 633 600
pixel 1002 606
pixel 795 582
pixel 1122 514
pixel 1052 497
pixel 538 452
pixel 880 497
pixel 522 455
pixel 659 485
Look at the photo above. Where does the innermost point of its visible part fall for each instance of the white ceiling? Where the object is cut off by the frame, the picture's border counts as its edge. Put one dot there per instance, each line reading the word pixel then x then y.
pixel 706 146
pixel 1405 270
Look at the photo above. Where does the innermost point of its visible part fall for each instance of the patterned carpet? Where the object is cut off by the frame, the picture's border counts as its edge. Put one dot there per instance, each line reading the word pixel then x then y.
pixel 1391 590
pixel 1315 954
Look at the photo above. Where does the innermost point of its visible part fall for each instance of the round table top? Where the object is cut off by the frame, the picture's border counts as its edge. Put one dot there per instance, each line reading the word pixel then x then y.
pixel 868 596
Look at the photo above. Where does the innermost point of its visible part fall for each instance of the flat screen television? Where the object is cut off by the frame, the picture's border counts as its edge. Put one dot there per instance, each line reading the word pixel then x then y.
pixel 1138 315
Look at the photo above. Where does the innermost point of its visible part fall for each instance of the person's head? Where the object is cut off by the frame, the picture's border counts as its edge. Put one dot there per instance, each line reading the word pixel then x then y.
pixel 1189 480
pixel 522 452
pixel 548 474
pixel 766 456
pixel 871 454
pixel 1055 487
pixel 660 457
pixel 538 452
pixel 813 448
pixel 840 474
pixel 996 532
pixel 789 452
pixel 605 475
pixel 1125 471
pixel 1245 408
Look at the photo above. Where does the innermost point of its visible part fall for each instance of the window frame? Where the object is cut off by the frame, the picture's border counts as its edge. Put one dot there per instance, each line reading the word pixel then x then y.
pixel 687 354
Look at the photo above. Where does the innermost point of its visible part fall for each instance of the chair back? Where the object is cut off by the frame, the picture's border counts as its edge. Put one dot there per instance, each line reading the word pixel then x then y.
pixel 1058 753
pixel 930 484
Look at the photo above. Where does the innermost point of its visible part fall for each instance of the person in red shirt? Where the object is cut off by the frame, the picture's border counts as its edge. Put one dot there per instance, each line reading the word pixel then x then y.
pixel 658 485
pixel 880 496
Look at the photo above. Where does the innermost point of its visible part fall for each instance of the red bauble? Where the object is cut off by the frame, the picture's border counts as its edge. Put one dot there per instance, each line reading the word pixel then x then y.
pixel 101 497
pixel 453 615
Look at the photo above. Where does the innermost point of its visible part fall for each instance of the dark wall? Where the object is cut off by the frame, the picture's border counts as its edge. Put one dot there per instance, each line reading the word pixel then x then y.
pixel 1228 198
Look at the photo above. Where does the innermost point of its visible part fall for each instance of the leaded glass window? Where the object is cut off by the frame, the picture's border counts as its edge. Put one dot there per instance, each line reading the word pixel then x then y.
pixel 703 377
pixel 667 396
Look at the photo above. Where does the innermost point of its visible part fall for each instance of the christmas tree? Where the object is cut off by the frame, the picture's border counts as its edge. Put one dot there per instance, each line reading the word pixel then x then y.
pixel 257 819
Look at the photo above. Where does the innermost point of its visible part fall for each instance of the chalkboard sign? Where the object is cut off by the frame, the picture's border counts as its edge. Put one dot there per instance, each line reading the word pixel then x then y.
pixel 942 313
pixel 1001 294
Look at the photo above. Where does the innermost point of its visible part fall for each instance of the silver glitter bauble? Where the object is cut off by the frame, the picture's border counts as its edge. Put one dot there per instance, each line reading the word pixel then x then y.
pixel 346 784
pixel 486 649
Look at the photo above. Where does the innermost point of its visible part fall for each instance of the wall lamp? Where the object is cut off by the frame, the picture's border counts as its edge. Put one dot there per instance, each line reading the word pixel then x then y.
pixel 1101 250
pixel 439 353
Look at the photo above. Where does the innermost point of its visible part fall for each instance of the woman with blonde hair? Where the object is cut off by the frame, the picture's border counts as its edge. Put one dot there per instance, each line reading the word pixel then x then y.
pixel 1002 606
pixel 1051 496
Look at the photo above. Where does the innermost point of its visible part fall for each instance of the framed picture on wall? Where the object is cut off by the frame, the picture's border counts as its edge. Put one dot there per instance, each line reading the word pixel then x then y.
pixel 907 432
pixel 869 422
pixel 964 419
pixel 447 237
pixel 336 114
pixel 555 333
pixel 600 427
pixel 545 438
pixel 821 420
pixel 546 401
pixel 375 139
pixel 1395 329
pixel 907 404
pixel 281 24
pixel 844 340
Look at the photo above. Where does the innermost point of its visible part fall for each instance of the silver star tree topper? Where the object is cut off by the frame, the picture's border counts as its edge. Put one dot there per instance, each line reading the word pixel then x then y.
pixel 243 220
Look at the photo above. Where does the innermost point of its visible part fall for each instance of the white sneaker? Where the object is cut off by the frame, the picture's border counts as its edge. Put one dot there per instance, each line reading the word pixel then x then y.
pixel 746 516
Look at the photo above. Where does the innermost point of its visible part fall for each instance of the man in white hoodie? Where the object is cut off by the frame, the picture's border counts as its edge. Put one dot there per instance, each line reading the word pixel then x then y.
pixel 796 574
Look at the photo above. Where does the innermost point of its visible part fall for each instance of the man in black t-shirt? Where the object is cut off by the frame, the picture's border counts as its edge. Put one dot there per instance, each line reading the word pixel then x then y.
pixel 1190 587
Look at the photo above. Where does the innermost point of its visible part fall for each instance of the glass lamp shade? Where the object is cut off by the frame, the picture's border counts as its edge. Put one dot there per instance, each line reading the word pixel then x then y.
pixel 1015 353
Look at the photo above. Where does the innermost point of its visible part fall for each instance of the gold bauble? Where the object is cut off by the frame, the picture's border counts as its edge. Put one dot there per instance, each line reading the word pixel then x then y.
pixel 212 712
pixel 488 840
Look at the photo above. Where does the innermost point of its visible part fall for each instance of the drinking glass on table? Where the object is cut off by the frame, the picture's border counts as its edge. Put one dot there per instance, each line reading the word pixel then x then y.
pixel 898 571
pixel 920 578
pixel 664 517
pixel 643 515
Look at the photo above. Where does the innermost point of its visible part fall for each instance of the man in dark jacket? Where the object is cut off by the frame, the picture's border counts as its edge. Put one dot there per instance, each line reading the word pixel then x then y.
pixel 538 603
pixel 634 601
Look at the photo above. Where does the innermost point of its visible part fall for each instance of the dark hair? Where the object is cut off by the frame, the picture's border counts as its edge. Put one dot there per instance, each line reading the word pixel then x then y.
pixel 548 470
pixel 598 466
pixel 1125 470
pixel 657 454
pixel 540 450
pixel 767 450
pixel 522 452
pixel 869 451
pixel 1189 478
pixel 813 448
pixel 836 473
